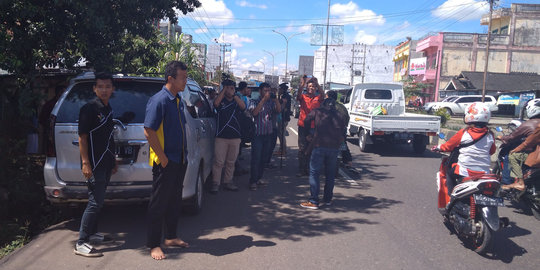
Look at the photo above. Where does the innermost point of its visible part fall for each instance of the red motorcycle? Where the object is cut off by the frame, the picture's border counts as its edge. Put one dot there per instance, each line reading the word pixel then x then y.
pixel 471 208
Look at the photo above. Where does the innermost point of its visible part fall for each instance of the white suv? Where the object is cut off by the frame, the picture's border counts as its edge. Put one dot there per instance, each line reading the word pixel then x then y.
pixel 64 182
pixel 460 103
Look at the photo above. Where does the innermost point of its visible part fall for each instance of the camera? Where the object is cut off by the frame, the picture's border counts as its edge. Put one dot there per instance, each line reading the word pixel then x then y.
pixel 272 95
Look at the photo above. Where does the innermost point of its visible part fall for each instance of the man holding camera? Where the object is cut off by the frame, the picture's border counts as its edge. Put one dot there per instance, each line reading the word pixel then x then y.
pixel 263 112
pixel 309 101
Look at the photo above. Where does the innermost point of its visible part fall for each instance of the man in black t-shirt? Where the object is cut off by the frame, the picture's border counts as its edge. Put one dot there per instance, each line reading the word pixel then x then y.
pixel 96 145
pixel 285 100
pixel 228 107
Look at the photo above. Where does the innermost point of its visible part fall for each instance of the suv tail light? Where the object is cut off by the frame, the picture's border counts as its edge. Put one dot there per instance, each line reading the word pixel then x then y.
pixel 51 147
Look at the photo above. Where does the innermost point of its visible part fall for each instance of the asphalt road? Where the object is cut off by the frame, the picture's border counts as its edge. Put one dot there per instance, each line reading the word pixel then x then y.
pixel 384 217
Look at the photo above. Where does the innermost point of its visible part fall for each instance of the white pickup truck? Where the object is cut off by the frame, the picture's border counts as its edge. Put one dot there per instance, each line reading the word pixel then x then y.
pixel 394 125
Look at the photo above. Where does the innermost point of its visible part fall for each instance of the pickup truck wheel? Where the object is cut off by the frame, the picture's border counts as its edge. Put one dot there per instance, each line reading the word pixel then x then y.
pixel 194 204
pixel 362 141
pixel 419 144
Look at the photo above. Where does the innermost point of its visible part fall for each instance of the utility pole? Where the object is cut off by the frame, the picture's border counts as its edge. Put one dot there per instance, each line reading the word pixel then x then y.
pixel 364 64
pixel 487 49
pixel 223 47
pixel 352 65
pixel 326 45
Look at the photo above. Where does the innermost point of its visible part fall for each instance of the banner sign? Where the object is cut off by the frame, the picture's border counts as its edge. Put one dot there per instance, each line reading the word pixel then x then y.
pixel 418 66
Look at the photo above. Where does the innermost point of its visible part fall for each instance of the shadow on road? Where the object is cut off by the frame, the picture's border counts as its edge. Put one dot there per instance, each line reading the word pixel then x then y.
pixel 271 212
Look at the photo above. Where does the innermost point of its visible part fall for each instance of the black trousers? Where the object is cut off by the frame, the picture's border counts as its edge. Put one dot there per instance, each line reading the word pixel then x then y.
pixel 303 159
pixel 165 202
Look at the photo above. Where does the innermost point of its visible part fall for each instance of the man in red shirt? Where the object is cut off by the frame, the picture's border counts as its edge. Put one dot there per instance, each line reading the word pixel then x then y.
pixel 309 101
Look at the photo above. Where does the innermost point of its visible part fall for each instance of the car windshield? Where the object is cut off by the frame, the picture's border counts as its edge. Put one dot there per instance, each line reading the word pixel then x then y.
pixel 449 99
pixel 128 100
pixel 378 94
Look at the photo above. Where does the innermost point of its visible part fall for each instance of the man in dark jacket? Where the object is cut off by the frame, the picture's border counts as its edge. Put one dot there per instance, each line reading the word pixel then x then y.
pixel 285 100
pixel 327 138
pixel 515 138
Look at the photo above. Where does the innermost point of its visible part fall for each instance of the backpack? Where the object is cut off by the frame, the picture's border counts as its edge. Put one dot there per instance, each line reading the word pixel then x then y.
pixel 454 155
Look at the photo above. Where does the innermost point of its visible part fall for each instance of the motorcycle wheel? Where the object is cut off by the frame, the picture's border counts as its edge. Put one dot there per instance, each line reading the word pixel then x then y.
pixel 483 240
pixel 535 209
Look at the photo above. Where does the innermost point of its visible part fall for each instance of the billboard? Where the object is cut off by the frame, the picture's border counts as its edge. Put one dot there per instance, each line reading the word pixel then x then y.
pixel 418 66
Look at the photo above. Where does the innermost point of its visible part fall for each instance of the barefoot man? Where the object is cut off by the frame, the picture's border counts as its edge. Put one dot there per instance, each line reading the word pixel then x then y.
pixel 164 127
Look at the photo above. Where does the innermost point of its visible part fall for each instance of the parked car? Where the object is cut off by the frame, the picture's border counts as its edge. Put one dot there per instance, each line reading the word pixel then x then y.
pixel 459 104
pixel 64 182
pixel 428 107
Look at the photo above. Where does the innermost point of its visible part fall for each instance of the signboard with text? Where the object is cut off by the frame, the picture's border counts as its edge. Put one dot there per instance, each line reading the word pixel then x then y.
pixel 418 66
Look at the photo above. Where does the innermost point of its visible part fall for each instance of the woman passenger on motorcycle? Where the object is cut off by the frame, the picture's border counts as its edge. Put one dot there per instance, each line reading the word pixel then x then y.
pixel 474 159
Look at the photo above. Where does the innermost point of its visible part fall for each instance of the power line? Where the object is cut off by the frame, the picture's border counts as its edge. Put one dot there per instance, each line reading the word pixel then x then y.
pixel 216 33
pixel 391 14
pixel 340 19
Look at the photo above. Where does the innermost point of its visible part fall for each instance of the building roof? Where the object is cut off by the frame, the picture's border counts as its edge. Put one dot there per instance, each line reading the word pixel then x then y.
pixel 499 82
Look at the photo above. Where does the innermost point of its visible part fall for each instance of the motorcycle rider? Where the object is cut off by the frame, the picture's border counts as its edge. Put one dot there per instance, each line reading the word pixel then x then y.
pixel 474 159
pixel 516 159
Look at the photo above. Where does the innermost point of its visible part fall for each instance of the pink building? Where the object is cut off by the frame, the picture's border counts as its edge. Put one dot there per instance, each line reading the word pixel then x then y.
pixel 514 47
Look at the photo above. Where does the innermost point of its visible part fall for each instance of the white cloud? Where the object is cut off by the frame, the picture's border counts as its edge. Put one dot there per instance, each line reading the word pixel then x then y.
pixel 248 4
pixel 234 39
pixel 350 13
pixel 462 10
pixel 201 30
pixel 213 12
pixel 363 37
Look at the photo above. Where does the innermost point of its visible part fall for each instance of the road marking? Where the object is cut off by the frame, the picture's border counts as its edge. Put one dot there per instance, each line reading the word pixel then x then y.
pixel 347 177
pixel 294 131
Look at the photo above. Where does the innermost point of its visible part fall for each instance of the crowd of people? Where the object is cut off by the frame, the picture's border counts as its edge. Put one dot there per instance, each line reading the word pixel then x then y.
pixel 240 120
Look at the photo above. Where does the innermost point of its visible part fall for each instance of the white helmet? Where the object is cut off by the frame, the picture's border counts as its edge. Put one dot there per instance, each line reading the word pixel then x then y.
pixel 533 107
pixel 477 112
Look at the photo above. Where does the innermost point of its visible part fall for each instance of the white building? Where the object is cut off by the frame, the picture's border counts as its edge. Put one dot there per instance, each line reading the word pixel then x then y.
pixel 253 75
pixel 355 63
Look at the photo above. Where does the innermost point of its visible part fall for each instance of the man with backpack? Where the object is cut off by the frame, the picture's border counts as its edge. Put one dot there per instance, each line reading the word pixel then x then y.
pixel 326 139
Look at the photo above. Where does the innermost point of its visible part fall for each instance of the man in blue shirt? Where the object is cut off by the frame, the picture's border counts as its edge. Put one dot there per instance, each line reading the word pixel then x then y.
pixel 164 128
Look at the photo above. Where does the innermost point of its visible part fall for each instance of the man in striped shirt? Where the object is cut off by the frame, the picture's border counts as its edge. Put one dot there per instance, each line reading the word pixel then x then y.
pixel 263 111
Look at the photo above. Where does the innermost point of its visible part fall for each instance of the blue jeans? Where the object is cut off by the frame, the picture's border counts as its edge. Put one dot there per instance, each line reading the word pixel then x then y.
pixel 327 158
pixel 260 146
pixel 505 173
pixel 97 185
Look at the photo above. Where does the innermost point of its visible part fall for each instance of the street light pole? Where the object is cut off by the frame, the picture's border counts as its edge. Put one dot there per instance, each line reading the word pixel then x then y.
pixel 287 48
pixel 264 66
pixel 272 54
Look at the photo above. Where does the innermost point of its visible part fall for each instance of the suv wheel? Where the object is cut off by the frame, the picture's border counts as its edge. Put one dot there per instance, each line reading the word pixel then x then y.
pixel 194 204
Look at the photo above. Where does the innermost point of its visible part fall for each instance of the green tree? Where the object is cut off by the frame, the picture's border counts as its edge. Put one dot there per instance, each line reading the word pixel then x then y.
pixel 119 36
pixel 413 88
pixel 180 50
pixel 295 82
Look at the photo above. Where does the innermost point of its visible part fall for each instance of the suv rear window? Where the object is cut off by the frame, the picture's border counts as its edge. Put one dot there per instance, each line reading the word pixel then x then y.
pixel 128 100
pixel 378 94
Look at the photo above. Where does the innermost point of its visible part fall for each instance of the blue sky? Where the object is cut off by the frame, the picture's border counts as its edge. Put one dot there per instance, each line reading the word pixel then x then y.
pixel 247 25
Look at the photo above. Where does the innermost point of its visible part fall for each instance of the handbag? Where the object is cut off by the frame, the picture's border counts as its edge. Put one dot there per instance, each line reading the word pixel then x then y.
pixel 533 160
